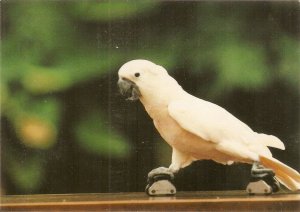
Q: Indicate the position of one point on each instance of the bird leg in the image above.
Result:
(160, 182)
(262, 180)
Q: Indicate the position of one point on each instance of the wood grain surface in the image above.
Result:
(183, 201)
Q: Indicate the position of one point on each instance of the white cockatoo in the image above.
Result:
(197, 129)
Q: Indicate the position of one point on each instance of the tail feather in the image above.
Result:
(287, 181)
(285, 174)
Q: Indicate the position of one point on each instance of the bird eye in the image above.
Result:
(137, 74)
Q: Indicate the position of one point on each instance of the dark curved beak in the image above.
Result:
(129, 89)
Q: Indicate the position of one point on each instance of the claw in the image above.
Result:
(160, 171)
(262, 180)
(160, 182)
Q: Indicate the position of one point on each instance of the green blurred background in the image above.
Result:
(66, 129)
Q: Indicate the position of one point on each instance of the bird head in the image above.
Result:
(139, 77)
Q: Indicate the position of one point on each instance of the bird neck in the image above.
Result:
(156, 101)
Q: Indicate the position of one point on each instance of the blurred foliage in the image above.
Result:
(49, 47)
(108, 11)
(94, 137)
(289, 50)
(27, 173)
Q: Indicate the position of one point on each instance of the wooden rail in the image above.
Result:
(183, 201)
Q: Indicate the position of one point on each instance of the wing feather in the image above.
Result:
(214, 124)
(209, 121)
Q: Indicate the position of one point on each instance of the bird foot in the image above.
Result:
(262, 180)
(160, 182)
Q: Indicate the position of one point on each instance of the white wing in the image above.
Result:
(209, 121)
(214, 124)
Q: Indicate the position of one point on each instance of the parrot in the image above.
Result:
(197, 129)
